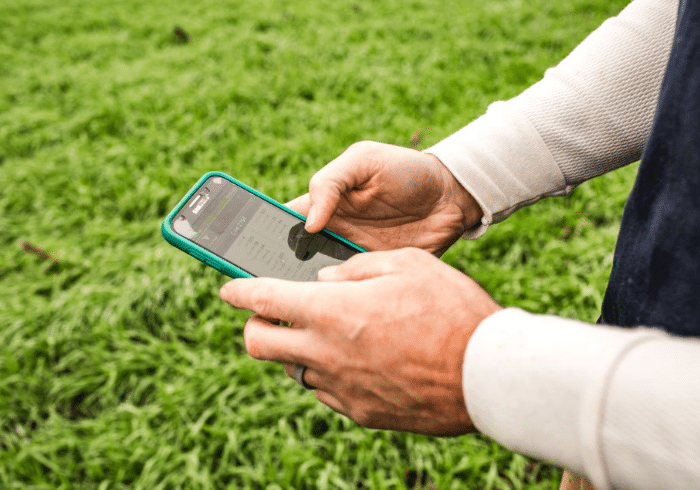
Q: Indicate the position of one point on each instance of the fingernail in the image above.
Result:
(327, 273)
(312, 216)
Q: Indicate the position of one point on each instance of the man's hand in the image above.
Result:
(383, 336)
(386, 197)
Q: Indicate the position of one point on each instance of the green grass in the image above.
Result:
(119, 365)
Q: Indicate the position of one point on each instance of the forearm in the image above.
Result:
(615, 405)
(590, 114)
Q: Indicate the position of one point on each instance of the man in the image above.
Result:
(398, 339)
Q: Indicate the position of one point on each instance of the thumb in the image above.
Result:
(325, 192)
(348, 171)
(301, 204)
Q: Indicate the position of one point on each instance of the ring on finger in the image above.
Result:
(299, 371)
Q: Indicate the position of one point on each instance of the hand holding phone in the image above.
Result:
(388, 197)
(243, 233)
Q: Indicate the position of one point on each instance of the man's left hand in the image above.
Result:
(382, 335)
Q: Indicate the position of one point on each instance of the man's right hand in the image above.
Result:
(385, 197)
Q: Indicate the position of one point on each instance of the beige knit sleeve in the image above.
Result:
(616, 405)
(590, 114)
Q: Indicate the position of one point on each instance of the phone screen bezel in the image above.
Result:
(210, 258)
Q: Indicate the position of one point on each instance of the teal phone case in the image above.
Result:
(209, 258)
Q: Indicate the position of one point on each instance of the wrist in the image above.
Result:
(454, 194)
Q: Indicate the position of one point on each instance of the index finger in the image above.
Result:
(270, 297)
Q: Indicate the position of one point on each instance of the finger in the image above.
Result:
(349, 170)
(269, 297)
(311, 377)
(301, 204)
(269, 342)
(365, 266)
(332, 402)
(274, 321)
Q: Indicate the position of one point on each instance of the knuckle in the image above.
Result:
(363, 147)
(416, 253)
(411, 256)
(316, 181)
(357, 146)
(324, 184)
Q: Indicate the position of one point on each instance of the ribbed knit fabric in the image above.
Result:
(596, 123)
(617, 405)
(589, 115)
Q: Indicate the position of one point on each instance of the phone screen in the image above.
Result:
(255, 235)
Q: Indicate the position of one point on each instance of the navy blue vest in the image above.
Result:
(655, 279)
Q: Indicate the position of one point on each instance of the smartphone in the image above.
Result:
(243, 233)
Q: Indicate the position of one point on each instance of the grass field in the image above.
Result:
(120, 367)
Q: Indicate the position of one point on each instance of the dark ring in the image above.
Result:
(299, 372)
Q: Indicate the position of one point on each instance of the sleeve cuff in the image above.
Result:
(501, 160)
